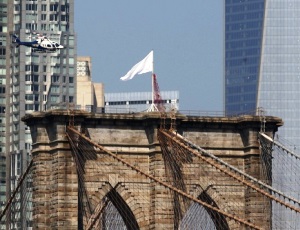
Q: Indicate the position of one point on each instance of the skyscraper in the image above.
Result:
(243, 46)
(31, 81)
(262, 69)
(262, 61)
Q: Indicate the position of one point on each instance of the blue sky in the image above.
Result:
(186, 37)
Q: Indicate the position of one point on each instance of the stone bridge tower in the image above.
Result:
(57, 202)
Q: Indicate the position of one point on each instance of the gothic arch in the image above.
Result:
(114, 196)
(216, 219)
(123, 209)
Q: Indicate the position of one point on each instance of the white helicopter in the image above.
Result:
(42, 44)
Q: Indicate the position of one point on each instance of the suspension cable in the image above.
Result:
(230, 216)
(238, 178)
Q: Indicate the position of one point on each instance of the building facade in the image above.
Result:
(262, 67)
(262, 61)
(243, 43)
(90, 95)
(132, 102)
(3, 48)
(31, 81)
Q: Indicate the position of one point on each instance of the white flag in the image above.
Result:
(144, 66)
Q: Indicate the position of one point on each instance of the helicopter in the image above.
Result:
(42, 44)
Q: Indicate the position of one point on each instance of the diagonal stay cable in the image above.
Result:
(280, 146)
(16, 190)
(175, 137)
(251, 178)
(230, 216)
(95, 216)
(80, 174)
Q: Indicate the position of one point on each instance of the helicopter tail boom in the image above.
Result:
(16, 39)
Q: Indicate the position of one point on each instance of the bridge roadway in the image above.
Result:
(57, 180)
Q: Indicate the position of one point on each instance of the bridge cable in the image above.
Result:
(230, 216)
(16, 190)
(280, 145)
(237, 171)
(251, 178)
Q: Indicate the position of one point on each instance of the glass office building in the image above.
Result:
(243, 43)
(262, 70)
(262, 61)
(30, 81)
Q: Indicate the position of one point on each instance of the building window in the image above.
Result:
(44, 27)
(53, 17)
(54, 98)
(17, 7)
(2, 40)
(54, 89)
(2, 51)
(44, 7)
(54, 78)
(33, 78)
(28, 106)
(44, 17)
(33, 68)
(64, 18)
(32, 97)
(32, 7)
(3, 9)
(3, 29)
(63, 8)
(53, 7)
(36, 87)
(31, 87)
(29, 97)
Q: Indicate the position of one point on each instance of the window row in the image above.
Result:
(3, 9)
(243, 16)
(34, 88)
(54, 78)
(244, 34)
(55, 7)
(31, 97)
(242, 7)
(44, 7)
(55, 17)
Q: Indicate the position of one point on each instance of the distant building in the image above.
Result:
(132, 102)
(262, 73)
(262, 57)
(90, 95)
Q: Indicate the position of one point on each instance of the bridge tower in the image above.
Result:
(70, 188)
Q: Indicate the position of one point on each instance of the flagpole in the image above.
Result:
(153, 80)
(152, 107)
